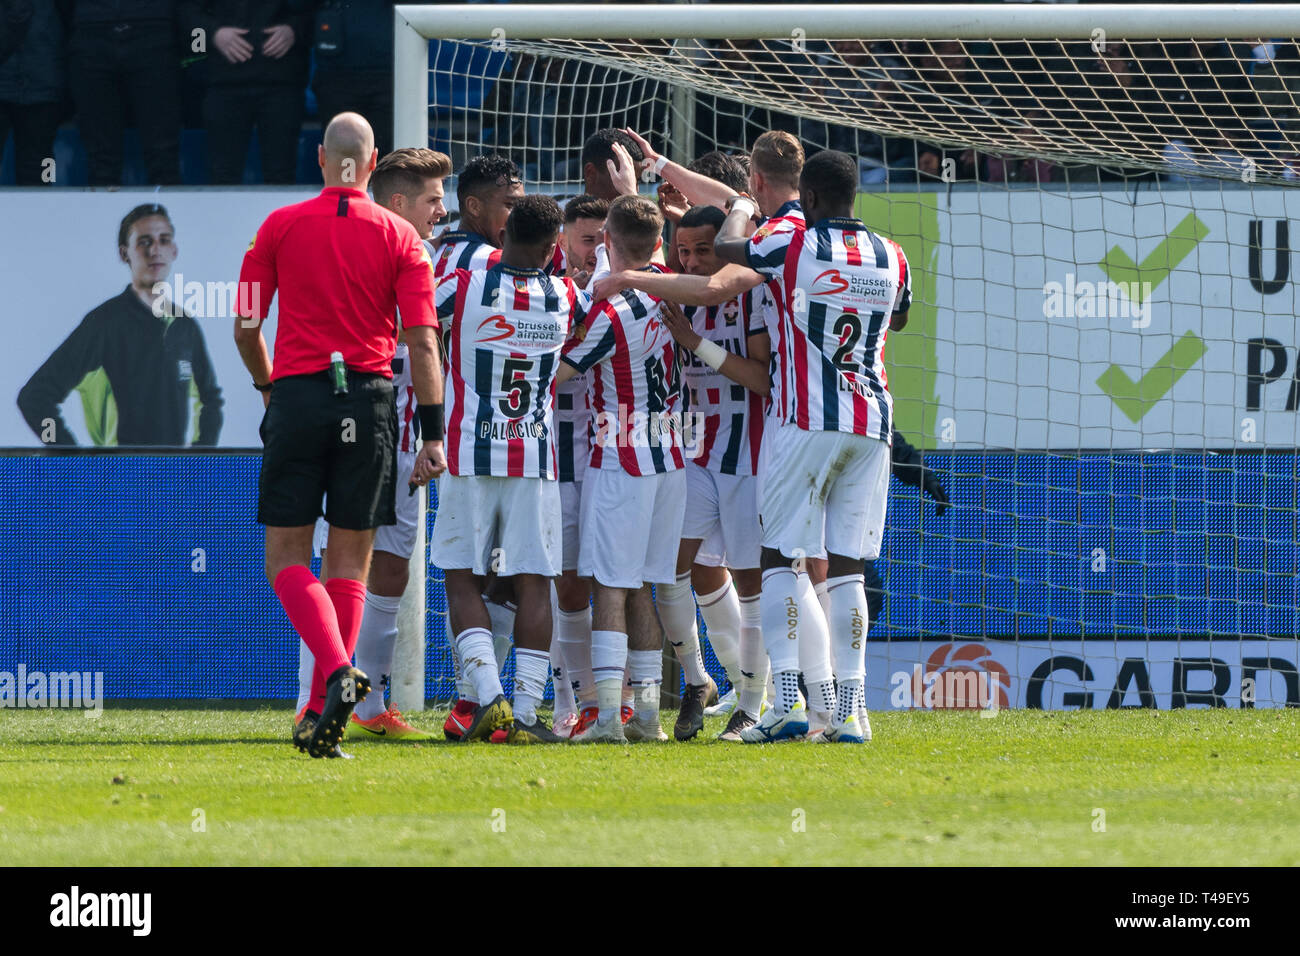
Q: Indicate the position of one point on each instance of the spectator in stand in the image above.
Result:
(124, 58)
(354, 64)
(1030, 136)
(31, 86)
(951, 93)
(257, 75)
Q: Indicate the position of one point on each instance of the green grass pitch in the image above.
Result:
(194, 784)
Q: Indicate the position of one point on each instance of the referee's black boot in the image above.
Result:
(303, 730)
(344, 689)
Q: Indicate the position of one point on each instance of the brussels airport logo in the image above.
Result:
(495, 323)
(36, 690)
(956, 677)
(829, 282)
(205, 300)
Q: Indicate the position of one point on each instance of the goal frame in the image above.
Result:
(416, 24)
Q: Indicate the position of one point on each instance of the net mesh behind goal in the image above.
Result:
(1100, 362)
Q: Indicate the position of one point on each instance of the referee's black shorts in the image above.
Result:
(342, 447)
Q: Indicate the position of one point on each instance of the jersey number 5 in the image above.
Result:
(516, 386)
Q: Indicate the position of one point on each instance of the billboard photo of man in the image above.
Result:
(138, 361)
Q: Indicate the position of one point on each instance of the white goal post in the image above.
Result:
(1209, 128)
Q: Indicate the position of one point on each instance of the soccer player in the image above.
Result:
(486, 190)
(342, 267)
(584, 219)
(634, 492)
(584, 222)
(842, 288)
(610, 160)
(720, 498)
(409, 183)
(845, 287)
(776, 161)
(499, 502)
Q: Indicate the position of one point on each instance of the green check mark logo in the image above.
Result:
(1162, 260)
(1135, 399)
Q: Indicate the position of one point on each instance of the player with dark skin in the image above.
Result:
(532, 591)
(486, 213)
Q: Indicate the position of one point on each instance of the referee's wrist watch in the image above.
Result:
(262, 388)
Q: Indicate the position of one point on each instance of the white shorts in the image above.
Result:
(825, 492)
(725, 505)
(631, 527)
(570, 508)
(712, 554)
(398, 539)
(771, 425)
(507, 525)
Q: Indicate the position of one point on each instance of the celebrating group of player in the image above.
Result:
(612, 424)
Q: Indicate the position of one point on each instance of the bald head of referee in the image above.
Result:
(347, 154)
(342, 268)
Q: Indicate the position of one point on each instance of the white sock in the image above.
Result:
(628, 697)
(779, 615)
(375, 643)
(753, 658)
(306, 666)
(560, 686)
(815, 650)
(779, 612)
(502, 617)
(721, 613)
(464, 686)
(848, 622)
(823, 597)
(480, 664)
(792, 618)
(676, 606)
(787, 691)
(575, 650)
(531, 670)
(646, 675)
(608, 662)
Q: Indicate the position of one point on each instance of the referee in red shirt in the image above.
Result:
(343, 267)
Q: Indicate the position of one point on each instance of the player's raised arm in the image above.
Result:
(727, 283)
(698, 189)
(732, 243)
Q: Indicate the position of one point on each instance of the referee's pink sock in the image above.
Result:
(349, 600)
(312, 613)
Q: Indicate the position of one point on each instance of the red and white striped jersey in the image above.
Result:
(634, 385)
(408, 424)
(726, 419)
(840, 284)
(456, 249)
(572, 421)
(506, 328)
(789, 216)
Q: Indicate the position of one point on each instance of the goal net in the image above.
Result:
(1101, 363)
